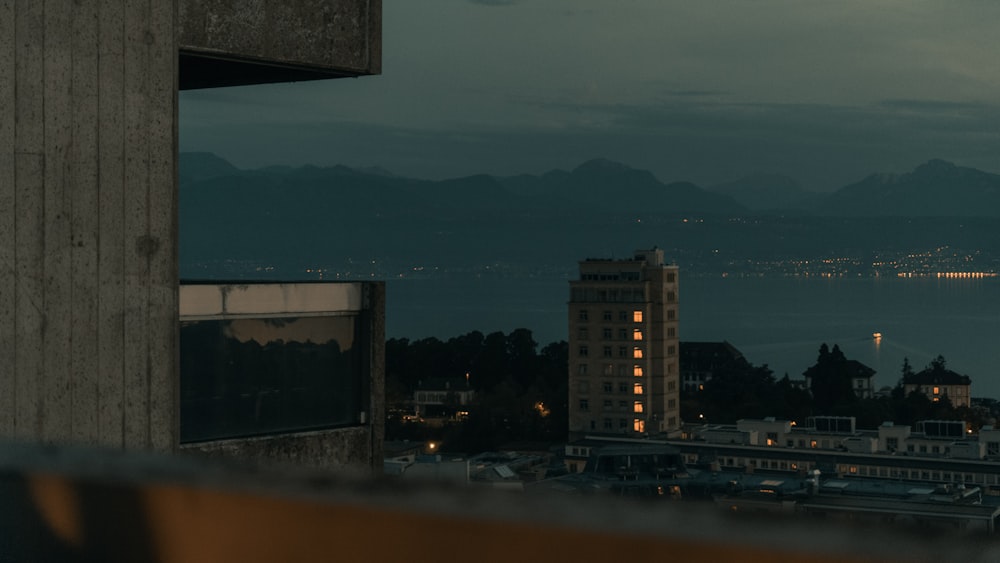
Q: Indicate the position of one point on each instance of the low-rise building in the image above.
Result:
(699, 361)
(939, 383)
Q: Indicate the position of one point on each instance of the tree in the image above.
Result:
(830, 380)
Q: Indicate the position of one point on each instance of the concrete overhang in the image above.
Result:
(242, 42)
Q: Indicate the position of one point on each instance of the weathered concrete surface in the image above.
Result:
(341, 449)
(88, 329)
(232, 42)
(88, 194)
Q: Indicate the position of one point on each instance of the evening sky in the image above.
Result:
(705, 91)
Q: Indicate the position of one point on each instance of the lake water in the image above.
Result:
(779, 321)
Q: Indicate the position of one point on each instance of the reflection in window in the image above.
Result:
(637, 316)
(637, 389)
(254, 376)
(637, 352)
(637, 407)
(637, 371)
(636, 334)
(639, 425)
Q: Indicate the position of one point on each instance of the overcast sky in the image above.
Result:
(702, 90)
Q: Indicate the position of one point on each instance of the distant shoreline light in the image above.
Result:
(949, 275)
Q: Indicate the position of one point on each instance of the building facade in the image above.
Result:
(938, 383)
(89, 336)
(624, 347)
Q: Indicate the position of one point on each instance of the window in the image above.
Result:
(891, 444)
(623, 405)
(609, 369)
(623, 351)
(623, 387)
(607, 424)
(606, 334)
(639, 425)
(637, 388)
(607, 351)
(582, 315)
(607, 315)
(993, 448)
(672, 421)
(637, 406)
(637, 352)
(637, 371)
(607, 404)
(636, 334)
(672, 404)
(671, 277)
(671, 332)
(671, 350)
(582, 370)
(671, 314)
(622, 423)
(593, 425)
(581, 333)
(637, 316)
(671, 297)
(252, 385)
(584, 405)
(622, 316)
(671, 385)
(606, 386)
(622, 334)
(937, 390)
(812, 443)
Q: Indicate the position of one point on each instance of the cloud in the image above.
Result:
(493, 2)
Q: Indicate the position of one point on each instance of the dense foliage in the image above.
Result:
(520, 395)
(742, 390)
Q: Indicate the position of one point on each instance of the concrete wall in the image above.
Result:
(88, 231)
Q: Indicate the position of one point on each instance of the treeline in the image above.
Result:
(742, 390)
(520, 389)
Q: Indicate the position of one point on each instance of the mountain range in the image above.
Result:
(296, 216)
(933, 189)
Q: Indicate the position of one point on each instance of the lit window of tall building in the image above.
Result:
(631, 297)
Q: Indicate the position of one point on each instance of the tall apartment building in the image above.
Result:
(624, 347)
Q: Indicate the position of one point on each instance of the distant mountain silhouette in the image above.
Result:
(295, 218)
(935, 189)
(195, 166)
(768, 192)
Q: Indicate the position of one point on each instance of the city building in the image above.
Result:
(89, 339)
(623, 347)
(699, 361)
(443, 397)
(937, 383)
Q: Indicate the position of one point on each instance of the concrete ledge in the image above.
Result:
(96, 505)
(234, 42)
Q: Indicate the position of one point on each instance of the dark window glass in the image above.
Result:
(257, 376)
